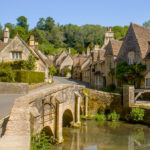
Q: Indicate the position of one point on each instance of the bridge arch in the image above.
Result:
(67, 117)
(47, 130)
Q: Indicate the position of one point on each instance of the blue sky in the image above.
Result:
(80, 12)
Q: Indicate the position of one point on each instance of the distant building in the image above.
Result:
(62, 62)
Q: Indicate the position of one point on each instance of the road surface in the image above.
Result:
(6, 101)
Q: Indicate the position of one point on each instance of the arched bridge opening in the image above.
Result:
(47, 131)
(67, 118)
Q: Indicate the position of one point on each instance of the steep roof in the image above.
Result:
(113, 47)
(3, 45)
(37, 54)
(143, 36)
(101, 53)
(79, 60)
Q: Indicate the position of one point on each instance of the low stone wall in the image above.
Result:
(13, 88)
(103, 100)
(33, 86)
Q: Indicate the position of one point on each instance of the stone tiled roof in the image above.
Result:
(102, 53)
(87, 67)
(147, 55)
(143, 36)
(113, 47)
(3, 45)
(79, 60)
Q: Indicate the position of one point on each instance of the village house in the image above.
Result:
(111, 53)
(16, 49)
(79, 63)
(135, 49)
(97, 68)
(63, 62)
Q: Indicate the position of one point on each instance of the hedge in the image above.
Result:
(29, 76)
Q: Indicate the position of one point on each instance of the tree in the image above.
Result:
(147, 24)
(22, 22)
(49, 23)
(120, 32)
(6, 73)
(131, 74)
(1, 32)
(52, 70)
(41, 24)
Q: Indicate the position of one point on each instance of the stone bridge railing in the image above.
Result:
(18, 129)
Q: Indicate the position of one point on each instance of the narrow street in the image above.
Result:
(7, 100)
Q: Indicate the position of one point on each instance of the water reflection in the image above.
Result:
(106, 136)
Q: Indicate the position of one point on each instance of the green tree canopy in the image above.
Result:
(22, 22)
(147, 24)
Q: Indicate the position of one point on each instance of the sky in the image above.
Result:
(79, 12)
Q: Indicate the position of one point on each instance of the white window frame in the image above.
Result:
(16, 55)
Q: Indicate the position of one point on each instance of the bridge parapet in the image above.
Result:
(31, 113)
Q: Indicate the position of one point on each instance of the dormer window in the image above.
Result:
(16, 55)
(131, 58)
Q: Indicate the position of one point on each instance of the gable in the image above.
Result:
(60, 57)
(67, 61)
(108, 49)
(16, 44)
(130, 44)
(85, 64)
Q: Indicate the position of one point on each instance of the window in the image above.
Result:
(147, 83)
(148, 67)
(16, 55)
(131, 58)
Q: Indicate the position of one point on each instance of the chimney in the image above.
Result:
(36, 46)
(108, 29)
(6, 35)
(88, 51)
(69, 50)
(96, 47)
(31, 41)
(98, 56)
(109, 35)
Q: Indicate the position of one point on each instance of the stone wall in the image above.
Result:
(99, 100)
(13, 88)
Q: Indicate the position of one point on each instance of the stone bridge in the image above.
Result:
(49, 110)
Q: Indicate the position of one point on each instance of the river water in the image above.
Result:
(98, 135)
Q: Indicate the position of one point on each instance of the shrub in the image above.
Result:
(15, 65)
(113, 116)
(137, 114)
(109, 88)
(40, 142)
(30, 63)
(100, 117)
(102, 108)
(6, 74)
(68, 70)
(52, 70)
(29, 76)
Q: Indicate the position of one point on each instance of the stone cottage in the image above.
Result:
(112, 50)
(135, 49)
(16, 49)
(62, 62)
(79, 62)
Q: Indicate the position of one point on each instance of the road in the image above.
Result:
(6, 101)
